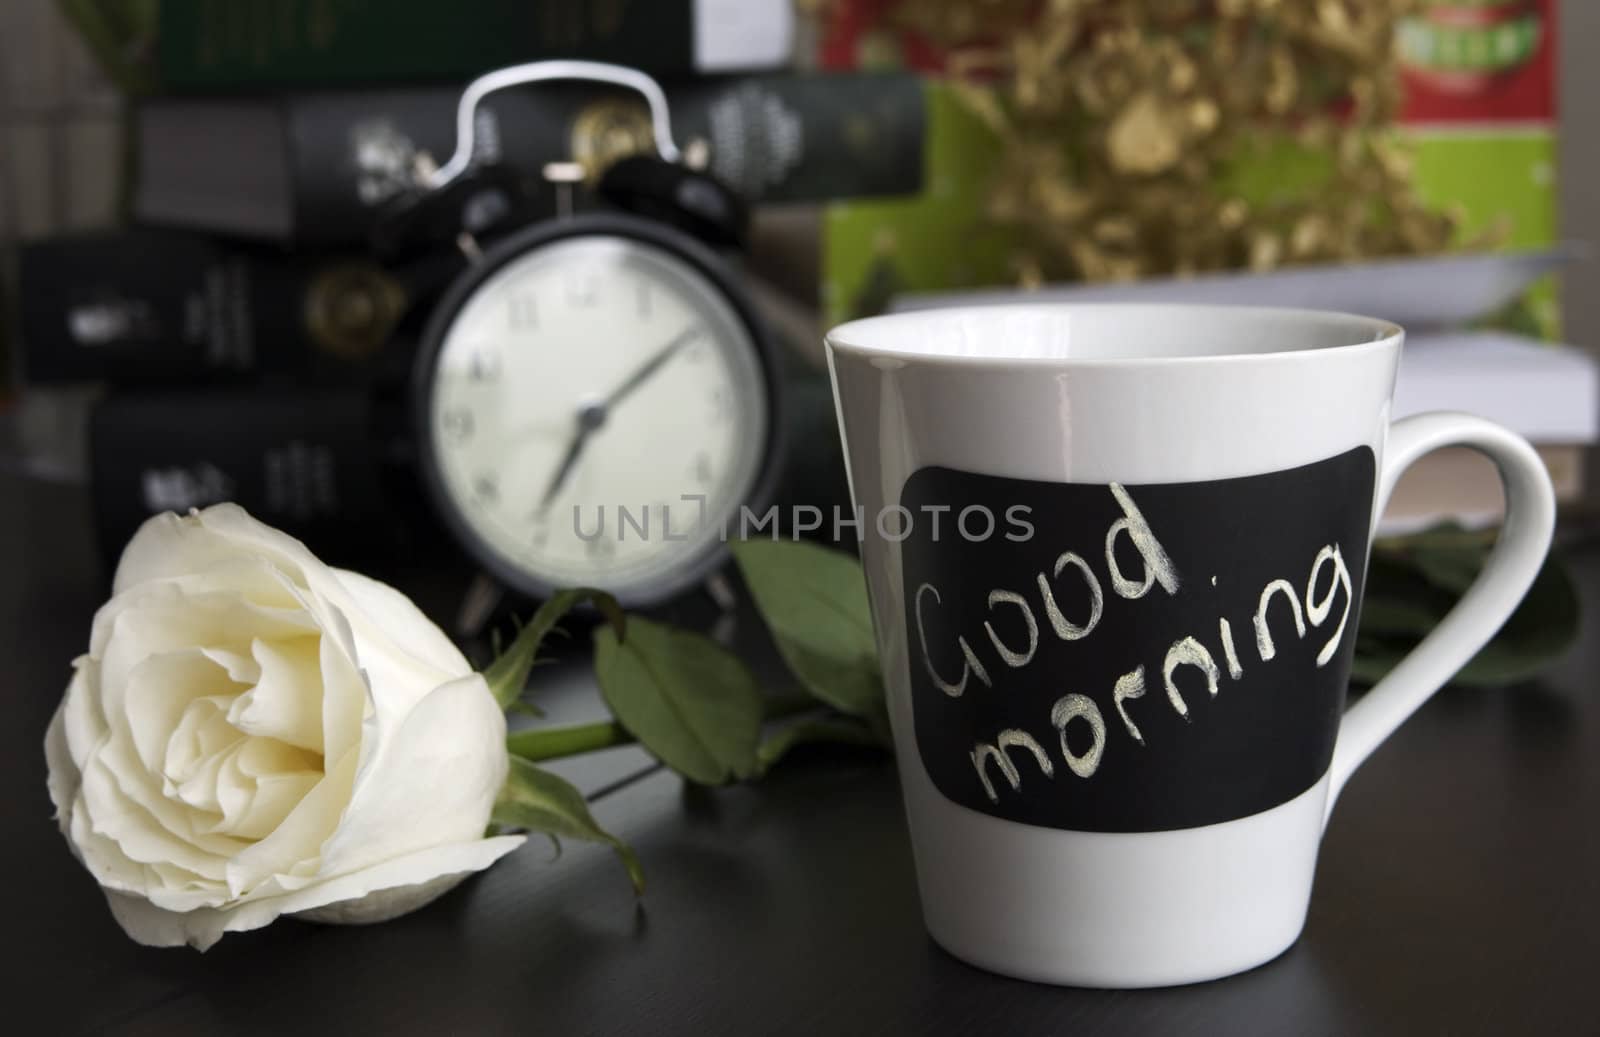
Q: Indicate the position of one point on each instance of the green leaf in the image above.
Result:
(1392, 574)
(814, 601)
(508, 674)
(1448, 534)
(812, 731)
(1374, 658)
(1542, 628)
(1446, 555)
(1398, 616)
(688, 700)
(1449, 568)
(539, 801)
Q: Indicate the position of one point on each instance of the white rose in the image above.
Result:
(253, 734)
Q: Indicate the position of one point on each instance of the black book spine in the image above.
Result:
(312, 463)
(773, 138)
(149, 306)
(249, 44)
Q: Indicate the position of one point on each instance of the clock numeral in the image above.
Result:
(484, 367)
(642, 299)
(600, 549)
(458, 424)
(486, 488)
(583, 287)
(541, 530)
(702, 468)
(722, 408)
(522, 311)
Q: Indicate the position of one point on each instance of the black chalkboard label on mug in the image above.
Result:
(1132, 658)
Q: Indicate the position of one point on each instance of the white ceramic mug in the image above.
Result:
(1116, 672)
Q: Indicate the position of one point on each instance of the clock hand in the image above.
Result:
(650, 367)
(590, 418)
(593, 415)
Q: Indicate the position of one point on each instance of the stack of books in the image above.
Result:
(254, 347)
(1547, 392)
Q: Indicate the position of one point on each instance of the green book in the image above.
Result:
(315, 168)
(227, 45)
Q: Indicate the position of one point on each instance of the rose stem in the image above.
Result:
(552, 743)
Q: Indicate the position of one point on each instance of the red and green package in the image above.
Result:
(1478, 81)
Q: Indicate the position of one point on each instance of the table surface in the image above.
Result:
(1456, 890)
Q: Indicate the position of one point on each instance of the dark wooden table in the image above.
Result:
(1457, 891)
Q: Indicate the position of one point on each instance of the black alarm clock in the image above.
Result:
(595, 399)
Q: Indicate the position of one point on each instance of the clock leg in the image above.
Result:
(469, 247)
(723, 596)
(478, 604)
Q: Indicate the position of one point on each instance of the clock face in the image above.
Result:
(597, 413)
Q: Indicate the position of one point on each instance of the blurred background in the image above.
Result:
(205, 296)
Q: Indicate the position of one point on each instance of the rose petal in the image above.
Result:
(63, 777)
(260, 784)
(240, 667)
(161, 692)
(145, 825)
(385, 612)
(381, 903)
(203, 610)
(301, 834)
(85, 726)
(165, 620)
(169, 545)
(404, 883)
(196, 753)
(156, 927)
(65, 773)
(246, 535)
(286, 702)
(346, 698)
(198, 787)
(103, 858)
(275, 797)
(433, 780)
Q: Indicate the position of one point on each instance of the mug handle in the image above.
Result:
(1507, 574)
